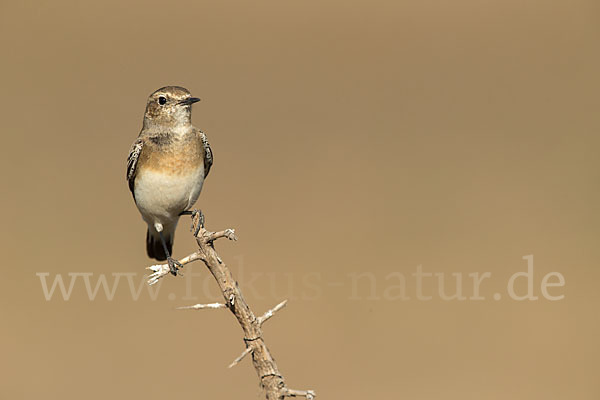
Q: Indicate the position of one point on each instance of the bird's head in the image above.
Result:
(170, 106)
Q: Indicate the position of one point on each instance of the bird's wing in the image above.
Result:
(208, 154)
(132, 159)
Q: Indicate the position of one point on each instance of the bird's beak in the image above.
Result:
(189, 101)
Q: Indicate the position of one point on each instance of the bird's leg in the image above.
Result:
(193, 214)
(174, 265)
(200, 221)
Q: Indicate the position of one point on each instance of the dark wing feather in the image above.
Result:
(208, 154)
(132, 159)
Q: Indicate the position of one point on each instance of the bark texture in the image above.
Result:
(270, 378)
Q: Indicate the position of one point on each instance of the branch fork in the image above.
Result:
(271, 379)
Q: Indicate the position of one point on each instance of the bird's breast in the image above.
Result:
(163, 193)
(178, 158)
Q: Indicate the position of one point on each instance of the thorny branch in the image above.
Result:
(271, 379)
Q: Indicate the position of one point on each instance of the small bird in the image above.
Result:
(166, 168)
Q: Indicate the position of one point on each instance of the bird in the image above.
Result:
(166, 168)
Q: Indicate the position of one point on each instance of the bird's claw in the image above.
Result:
(196, 229)
(174, 266)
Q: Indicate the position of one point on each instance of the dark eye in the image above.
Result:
(162, 100)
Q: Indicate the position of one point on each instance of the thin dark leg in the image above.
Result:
(174, 265)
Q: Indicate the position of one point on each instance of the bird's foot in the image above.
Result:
(174, 266)
(196, 229)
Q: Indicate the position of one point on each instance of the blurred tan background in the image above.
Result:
(349, 137)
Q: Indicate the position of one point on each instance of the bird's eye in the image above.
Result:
(162, 100)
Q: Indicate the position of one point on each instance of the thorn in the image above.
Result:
(262, 319)
(240, 357)
(202, 306)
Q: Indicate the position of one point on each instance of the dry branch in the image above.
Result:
(241, 357)
(271, 379)
(203, 306)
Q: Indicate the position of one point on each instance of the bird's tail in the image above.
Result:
(154, 246)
